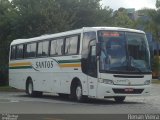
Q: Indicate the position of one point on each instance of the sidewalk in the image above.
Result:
(9, 89)
(155, 81)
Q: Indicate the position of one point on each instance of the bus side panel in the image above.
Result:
(17, 79)
(67, 70)
(67, 76)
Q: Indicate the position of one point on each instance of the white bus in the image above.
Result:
(93, 62)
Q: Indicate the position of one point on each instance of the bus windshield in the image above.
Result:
(124, 52)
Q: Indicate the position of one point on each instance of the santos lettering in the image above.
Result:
(44, 64)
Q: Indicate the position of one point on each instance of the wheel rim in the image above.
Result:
(79, 93)
(30, 88)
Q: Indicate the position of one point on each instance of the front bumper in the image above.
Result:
(106, 90)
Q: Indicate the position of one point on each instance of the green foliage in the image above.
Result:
(37, 17)
(156, 63)
(86, 13)
(121, 19)
(152, 21)
(6, 13)
(152, 25)
(158, 3)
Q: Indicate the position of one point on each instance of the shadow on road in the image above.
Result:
(107, 101)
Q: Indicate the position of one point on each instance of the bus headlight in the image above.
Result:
(106, 81)
(147, 82)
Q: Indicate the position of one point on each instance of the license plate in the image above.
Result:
(128, 89)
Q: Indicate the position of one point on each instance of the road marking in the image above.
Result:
(14, 101)
(8, 101)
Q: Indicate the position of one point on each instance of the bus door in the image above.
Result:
(92, 72)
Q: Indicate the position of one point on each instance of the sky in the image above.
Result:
(137, 4)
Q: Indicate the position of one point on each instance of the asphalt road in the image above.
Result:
(20, 103)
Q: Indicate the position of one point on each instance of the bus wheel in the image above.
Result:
(77, 92)
(119, 99)
(29, 88)
(30, 91)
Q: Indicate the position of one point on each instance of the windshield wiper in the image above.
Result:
(132, 68)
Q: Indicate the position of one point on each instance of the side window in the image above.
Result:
(30, 50)
(13, 52)
(19, 52)
(88, 54)
(92, 66)
(43, 48)
(60, 47)
(88, 37)
(53, 50)
(71, 46)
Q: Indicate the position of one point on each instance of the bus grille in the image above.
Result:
(122, 91)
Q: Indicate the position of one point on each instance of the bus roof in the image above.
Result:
(77, 31)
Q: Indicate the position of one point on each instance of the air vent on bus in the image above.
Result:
(129, 76)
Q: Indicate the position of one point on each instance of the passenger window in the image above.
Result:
(43, 48)
(71, 46)
(30, 50)
(13, 52)
(53, 50)
(19, 52)
(60, 47)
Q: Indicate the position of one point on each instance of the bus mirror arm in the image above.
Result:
(98, 49)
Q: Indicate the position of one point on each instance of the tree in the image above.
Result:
(121, 19)
(151, 24)
(157, 3)
(87, 12)
(37, 17)
(150, 21)
(6, 16)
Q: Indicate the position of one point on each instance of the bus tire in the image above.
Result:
(30, 90)
(119, 99)
(77, 93)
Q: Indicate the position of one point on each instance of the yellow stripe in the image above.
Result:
(70, 65)
(20, 64)
(29, 64)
